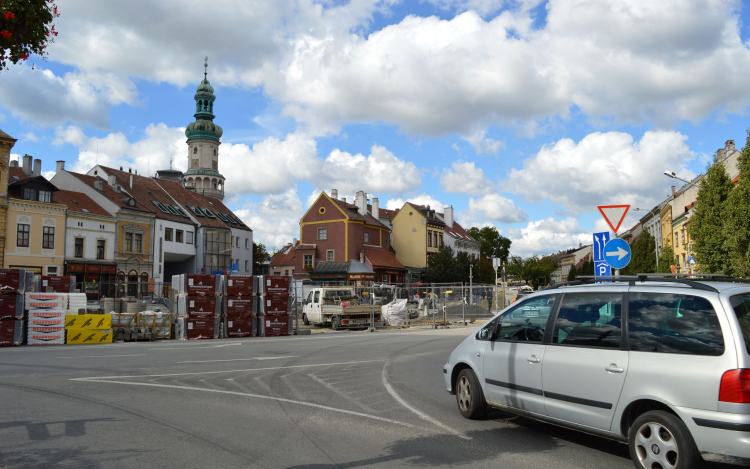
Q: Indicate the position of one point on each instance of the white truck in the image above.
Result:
(338, 307)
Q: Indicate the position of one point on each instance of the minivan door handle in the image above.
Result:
(533, 359)
(613, 368)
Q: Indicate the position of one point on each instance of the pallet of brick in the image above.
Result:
(11, 332)
(273, 285)
(238, 326)
(46, 336)
(200, 329)
(201, 306)
(55, 284)
(178, 284)
(277, 326)
(239, 285)
(274, 305)
(11, 305)
(239, 305)
(203, 284)
(259, 326)
(13, 281)
(55, 301)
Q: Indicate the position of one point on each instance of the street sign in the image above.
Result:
(601, 268)
(614, 215)
(496, 263)
(691, 260)
(617, 253)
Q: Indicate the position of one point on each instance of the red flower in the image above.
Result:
(5, 33)
(23, 55)
(9, 15)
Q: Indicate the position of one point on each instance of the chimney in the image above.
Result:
(60, 165)
(361, 202)
(117, 188)
(674, 189)
(729, 146)
(130, 170)
(362, 256)
(131, 180)
(294, 242)
(99, 185)
(120, 168)
(26, 165)
(14, 164)
(111, 180)
(334, 194)
(375, 208)
(37, 167)
(343, 199)
(448, 215)
(580, 245)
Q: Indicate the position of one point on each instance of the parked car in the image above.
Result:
(662, 365)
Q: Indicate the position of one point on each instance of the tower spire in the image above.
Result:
(205, 69)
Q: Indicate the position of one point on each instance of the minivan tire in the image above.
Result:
(660, 437)
(469, 395)
(305, 321)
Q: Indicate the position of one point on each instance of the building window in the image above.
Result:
(100, 244)
(286, 272)
(441, 239)
(683, 236)
(189, 237)
(676, 240)
(22, 240)
(429, 238)
(178, 236)
(128, 242)
(367, 237)
(45, 196)
(434, 236)
(168, 234)
(322, 233)
(247, 243)
(78, 247)
(29, 193)
(195, 150)
(138, 242)
(48, 237)
(308, 261)
(330, 255)
(247, 263)
(238, 241)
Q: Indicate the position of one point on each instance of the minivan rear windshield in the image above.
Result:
(741, 306)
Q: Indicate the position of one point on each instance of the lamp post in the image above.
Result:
(671, 174)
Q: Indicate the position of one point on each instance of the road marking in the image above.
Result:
(239, 359)
(421, 414)
(105, 356)
(260, 396)
(214, 372)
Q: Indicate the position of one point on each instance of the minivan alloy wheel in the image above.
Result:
(656, 447)
(463, 391)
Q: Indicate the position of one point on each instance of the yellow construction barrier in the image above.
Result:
(88, 321)
(89, 336)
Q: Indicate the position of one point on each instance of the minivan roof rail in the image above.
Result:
(632, 279)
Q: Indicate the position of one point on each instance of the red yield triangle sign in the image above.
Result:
(614, 215)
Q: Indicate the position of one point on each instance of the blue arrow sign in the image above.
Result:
(601, 268)
(617, 253)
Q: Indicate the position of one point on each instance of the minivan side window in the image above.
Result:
(741, 306)
(668, 323)
(317, 297)
(526, 322)
(589, 320)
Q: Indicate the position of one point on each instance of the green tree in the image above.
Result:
(643, 257)
(441, 266)
(491, 244)
(572, 273)
(706, 227)
(666, 260)
(736, 225)
(533, 270)
(259, 256)
(25, 28)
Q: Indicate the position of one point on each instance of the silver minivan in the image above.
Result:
(661, 364)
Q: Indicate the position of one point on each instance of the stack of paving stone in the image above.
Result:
(274, 305)
(238, 306)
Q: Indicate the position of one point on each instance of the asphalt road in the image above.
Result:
(345, 400)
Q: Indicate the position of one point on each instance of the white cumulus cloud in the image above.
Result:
(547, 236)
(464, 177)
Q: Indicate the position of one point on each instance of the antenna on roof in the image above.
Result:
(170, 160)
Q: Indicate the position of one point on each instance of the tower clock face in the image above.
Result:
(195, 163)
(216, 164)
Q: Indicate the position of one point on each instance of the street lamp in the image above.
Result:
(671, 174)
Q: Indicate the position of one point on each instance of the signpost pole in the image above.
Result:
(471, 288)
(505, 283)
(463, 303)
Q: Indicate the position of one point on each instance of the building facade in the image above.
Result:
(417, 234)
(37, 223)
(456, 236)
(6, 144)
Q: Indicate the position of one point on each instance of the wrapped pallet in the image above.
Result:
(46, 336)
(54, 301)
(11, 332)
(203, 285)
(46, 318)
(57, 284)
(76, 302)
(11, 305)
(13, 280)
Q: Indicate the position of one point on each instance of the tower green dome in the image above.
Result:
(204, 127)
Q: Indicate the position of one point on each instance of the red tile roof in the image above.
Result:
(383, 212)
(379, 257)
(354, 214)
(458, 231)
(284, 257)
(16, 172)
(108, 192)
(78, 202)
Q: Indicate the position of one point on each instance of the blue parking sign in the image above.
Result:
(601, 268)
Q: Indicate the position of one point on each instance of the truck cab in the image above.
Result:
(338, 307)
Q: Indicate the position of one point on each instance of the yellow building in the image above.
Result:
(37, 223)
(666, 225)
(6, 143)
(417, 233)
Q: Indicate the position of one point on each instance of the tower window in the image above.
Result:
(214, 151)
(195, 150)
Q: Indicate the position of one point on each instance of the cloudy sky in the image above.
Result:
(523, 114)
